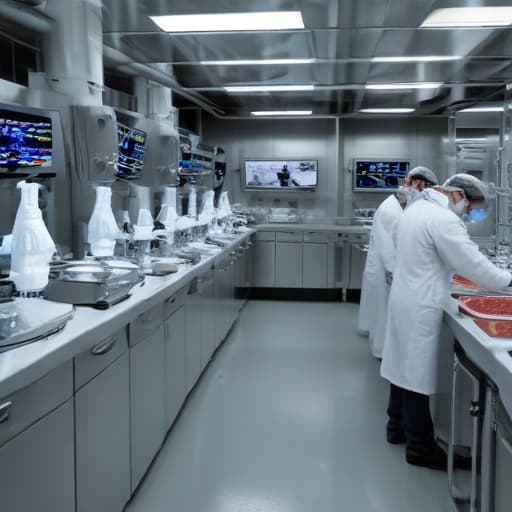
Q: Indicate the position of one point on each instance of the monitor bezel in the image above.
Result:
(57, 159)
(249, 188)
(355, 188)
(140, 174)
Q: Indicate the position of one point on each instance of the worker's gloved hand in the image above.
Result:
(389, 278)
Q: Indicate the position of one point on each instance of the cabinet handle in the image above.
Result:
(104, 347)
(172, 300)
(4, 411)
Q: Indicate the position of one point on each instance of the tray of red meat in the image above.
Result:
(463, 282)
(495, 328)
(488, 307)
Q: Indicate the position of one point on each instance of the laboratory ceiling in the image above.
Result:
(341, 41)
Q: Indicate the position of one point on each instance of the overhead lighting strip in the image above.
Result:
(231, 22)
(412, 85)
(282, 113)
(256, 62)
(483, 109)
(460, 17)
(267, 88)
(419, 58)
(386, 110)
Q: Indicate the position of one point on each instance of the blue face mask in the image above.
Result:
(476, 215)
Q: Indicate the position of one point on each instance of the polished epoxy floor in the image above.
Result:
(289, 417)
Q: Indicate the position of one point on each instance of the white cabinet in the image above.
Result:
(263, 263)
(147, 401)
(208, 338)
(175, 364)
(315, 265)
(102, 411)
(288, 265)
(37, 466)
(357, 262)
(193, 333)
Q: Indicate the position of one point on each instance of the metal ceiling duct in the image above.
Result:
(24, 14)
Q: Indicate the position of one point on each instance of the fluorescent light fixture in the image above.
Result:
(419, 58)
(386, 110)
(469, 17)
(231, 22)
(282, 113)
(415, 85)
(255, 62)
(268, 88)
(483, 109)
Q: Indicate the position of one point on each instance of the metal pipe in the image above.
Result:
(24, 15)
(123, 63)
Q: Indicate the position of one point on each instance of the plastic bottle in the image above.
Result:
(102, 229)
(32, 245)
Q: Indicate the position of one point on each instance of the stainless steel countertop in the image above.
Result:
(488, 353)
(22, 366)
(330, 228)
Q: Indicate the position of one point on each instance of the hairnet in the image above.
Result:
(423, 173)
(471, 186)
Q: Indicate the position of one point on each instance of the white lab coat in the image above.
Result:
(432, 243)
(380, 258)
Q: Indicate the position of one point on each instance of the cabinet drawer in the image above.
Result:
(289, 236)
(146, 324)
(95, 360)
(174, 302)
(265, 236)
(24, 407)
(313, 236)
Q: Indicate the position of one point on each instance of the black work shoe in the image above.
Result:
(462, 462)
(395, 436)
(434, 459)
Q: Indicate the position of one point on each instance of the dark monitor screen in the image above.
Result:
(25, 141)
(132, 144)
(281, 174)
(379, 174)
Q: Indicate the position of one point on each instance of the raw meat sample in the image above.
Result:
(465, 283)
(495, 328)
(493, 308)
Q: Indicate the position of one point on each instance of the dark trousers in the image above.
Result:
(409, 412)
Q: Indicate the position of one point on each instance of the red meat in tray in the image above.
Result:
(495, 328)
(488, 307)
(461, 281)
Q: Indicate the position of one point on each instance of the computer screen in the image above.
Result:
(132, 144)
(281, 174)
(379, 175)
(25, 141)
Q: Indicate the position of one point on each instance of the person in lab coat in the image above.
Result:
(380, 260)
(432, 244)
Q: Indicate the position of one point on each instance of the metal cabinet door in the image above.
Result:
(503, 463)
(357, 262)
(102, 411)
(289, 264)
(175, 364)
(207, 292)
(38, 471)
(147, 402)
(193, 334)
(314, 265)
(263, 264)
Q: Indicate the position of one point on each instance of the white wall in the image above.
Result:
(278, 138)
(335, 143)
(419, 140)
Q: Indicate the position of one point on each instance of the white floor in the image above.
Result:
(289, 417)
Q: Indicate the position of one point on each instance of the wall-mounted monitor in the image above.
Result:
(132, 144)
(281, 174)
(26, 141)
(379, 175)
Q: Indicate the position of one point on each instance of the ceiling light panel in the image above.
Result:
(469, 17)
(482, 109)
(256, 62)
(419, 58)
(414, 85)
(282, 113)
(231, 22)
(386, 110)
(268, 88)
